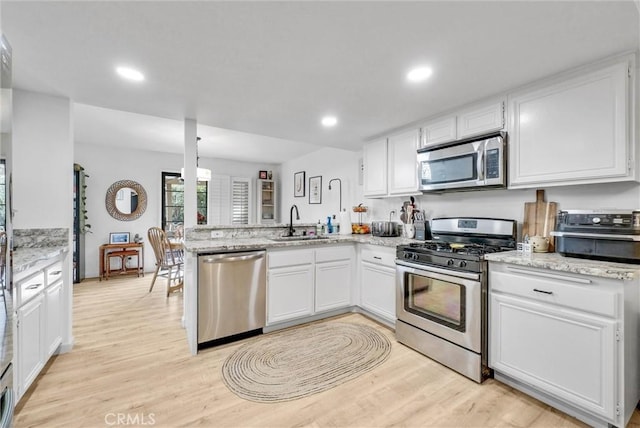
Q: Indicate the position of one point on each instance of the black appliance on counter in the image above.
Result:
(611, 235)
(441, 286)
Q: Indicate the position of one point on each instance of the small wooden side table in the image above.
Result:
(105, 249)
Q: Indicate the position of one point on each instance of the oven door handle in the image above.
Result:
(449, 272)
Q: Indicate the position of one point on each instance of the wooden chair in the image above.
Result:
(169, 262)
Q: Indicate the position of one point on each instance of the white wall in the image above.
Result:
(105, 166)
(42, 174)
(329, 163)
(42, 161)
(509, 204)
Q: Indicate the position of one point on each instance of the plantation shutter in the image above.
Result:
(240, 200)
(220, 199)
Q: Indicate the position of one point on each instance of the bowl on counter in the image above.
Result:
(360, 229)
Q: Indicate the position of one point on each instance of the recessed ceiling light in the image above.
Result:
(419, 74)
(329, 121)
(130, 73)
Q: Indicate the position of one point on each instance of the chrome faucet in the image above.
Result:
(392, 213)
(291, 229)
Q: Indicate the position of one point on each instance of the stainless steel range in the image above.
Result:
(441, 302)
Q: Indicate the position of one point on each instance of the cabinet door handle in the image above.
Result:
(549, 275)
(377, 257)
(542, 291)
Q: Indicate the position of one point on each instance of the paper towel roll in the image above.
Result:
(345, 223)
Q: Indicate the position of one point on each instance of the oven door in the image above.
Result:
(434, 300)
(7, 398)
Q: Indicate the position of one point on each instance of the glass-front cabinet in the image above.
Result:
(266, 201)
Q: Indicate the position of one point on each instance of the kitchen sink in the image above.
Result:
(298, 238)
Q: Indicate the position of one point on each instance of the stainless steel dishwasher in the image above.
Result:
(231, 294)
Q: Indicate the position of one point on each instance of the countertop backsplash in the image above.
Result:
(36, 238)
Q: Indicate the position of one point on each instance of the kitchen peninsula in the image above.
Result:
(315, 258)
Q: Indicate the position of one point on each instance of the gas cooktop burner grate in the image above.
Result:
(446, 247)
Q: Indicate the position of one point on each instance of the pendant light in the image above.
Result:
(202, 174)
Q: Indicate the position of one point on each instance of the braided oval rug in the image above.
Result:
(295, 363)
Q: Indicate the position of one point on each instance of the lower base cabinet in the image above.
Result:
(562, 336)
(30, 355)
(378, 282)
(53, 328)
(304, 282)
(290, 293)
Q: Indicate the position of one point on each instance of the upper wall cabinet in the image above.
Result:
(390, 165)
(574, 130)
(475, 120)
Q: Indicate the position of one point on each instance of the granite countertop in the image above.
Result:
(558, 262)
(233, 244)
(24, 258)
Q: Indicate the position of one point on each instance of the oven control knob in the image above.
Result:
(407, 255)
(450, 262)
(462, 264)
(596, 220)
(415, 256)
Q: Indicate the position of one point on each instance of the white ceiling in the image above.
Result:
(274, 68)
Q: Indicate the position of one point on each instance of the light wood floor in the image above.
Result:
(130, 360)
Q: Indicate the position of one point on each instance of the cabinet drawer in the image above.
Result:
(332, 254)
(31, 286)
(289, 258)
(53, 273)
(380, 256)
(575, 292)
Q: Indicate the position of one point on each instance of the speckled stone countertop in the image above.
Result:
(234, 244)
(24, 258)
(555, 261)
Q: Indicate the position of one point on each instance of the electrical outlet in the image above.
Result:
(216, 234)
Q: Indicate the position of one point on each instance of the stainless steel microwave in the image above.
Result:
(469, 164)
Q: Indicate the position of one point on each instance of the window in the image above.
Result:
(173, 200)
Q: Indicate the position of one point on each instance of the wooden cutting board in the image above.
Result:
(540, 218)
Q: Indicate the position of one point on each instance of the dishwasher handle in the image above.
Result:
(236, 257)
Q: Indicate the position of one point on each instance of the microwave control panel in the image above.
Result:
(492, 159)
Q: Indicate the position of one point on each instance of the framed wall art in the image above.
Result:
(315, 190)
(119, 238)
(298, 184)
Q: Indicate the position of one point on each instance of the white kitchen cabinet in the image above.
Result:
(375, 168)
(30, 329)
(53, 302)
(390, 165)
(378, 282)
(559, 336)
(40, 315)
(308, 281)
(573, 130)
(334, 276)
(439, 131)
(402, 165)
(480, 120)
(476, 119)
(290, 284)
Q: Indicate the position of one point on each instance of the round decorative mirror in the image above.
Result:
(126, 200)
